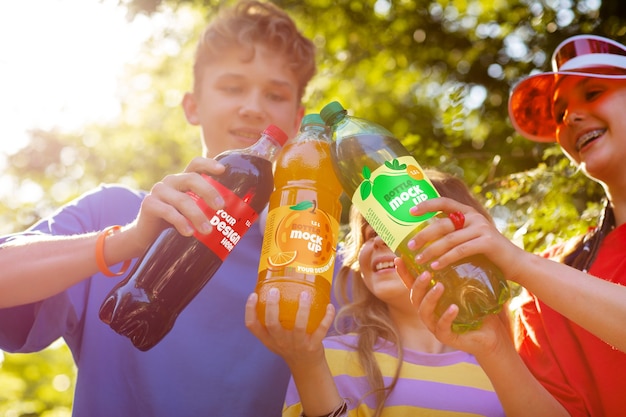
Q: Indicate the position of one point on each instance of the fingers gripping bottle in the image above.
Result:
(145, 305)
(384, 182)
(301, 232)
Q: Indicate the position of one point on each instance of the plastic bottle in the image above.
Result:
(384, 181)
(301, 232)
(145, 305)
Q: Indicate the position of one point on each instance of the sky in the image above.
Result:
(59, 63)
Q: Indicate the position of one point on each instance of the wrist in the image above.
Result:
(339, 411)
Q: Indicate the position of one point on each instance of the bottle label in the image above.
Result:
(300, 239)
(386, 195)
(229, 224)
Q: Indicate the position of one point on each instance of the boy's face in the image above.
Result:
(237, 100)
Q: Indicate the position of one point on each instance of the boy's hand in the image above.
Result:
(169, 204)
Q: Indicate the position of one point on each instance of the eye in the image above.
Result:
(231, 89)
(592, 94)
(369, 233)
(273, 96)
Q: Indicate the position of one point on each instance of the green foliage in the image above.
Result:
(38, 384)
(436, 73)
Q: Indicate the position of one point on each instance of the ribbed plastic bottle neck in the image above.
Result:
(269, 144)
(266, 147)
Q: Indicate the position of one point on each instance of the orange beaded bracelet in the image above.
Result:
(102, 265)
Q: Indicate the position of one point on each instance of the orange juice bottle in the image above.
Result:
(301, 232)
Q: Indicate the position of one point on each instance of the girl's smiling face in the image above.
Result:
(591, 124)
(378, 270)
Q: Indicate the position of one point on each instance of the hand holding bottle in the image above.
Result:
(169, 203)
(296, 346)
(175, 267)
(439, 244)
(385, 181)
(481, 342)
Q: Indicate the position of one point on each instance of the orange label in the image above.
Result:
(301, 239)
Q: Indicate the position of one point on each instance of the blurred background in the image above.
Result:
(90, 93)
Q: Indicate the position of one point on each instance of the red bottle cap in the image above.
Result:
(277, 133)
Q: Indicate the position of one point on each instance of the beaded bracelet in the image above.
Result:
(337, 412)
(102, 265)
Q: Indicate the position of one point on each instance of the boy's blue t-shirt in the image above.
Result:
(209, 364)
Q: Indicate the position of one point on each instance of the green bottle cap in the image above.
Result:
(312, 119)
(330, 111)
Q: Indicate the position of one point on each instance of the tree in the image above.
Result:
(437, 73)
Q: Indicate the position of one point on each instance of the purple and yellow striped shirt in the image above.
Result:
(435, 385)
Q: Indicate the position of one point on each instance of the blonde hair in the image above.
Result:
(252, 23)
(366, 315)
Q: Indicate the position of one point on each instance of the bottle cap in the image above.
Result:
(277, 133)
(312, 119)
(330, 110)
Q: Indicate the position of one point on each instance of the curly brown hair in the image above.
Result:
(252, 23)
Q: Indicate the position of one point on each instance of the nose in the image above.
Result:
(378, 241)
(573, 116)
(252, 106)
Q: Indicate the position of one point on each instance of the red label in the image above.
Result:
(229, 224)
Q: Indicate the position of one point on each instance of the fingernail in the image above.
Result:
(272, 294)
(419, 258)
(413, 210)
(411, 244)
(219, 202)
(205, 228)
(434, 265)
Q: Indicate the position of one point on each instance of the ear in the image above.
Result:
(190, 107)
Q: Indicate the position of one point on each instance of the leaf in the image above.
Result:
(366, 173)
(303, 205)
(365, 189)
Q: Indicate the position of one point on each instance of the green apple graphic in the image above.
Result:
(396, 191)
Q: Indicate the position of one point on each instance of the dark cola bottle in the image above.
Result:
(145, 305)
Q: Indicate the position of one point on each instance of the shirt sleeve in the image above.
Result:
(32, 327)
(538, 353)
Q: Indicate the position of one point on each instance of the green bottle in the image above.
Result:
(384, 181)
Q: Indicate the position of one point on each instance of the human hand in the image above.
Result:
(441, 243)
(295, 346)
(169, 202)
(482, 342)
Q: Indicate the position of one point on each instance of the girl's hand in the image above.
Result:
(295, 346)
(169, 204)
(482, 343)
(440, 244)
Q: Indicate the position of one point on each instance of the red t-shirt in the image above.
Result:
(585, 374)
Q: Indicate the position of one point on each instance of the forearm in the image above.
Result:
(34, 268)
(595, 304)
(316, 388)
(518, 390)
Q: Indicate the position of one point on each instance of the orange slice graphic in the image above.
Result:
(282, 258)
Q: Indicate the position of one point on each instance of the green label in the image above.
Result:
(387, 194)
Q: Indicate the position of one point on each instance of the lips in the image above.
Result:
(251, 134)
(588, 137)
(381, 265)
